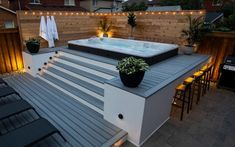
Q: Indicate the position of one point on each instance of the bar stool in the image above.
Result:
(189, 82)
(210, 73)
(205, 77)
(180, 95)
(197, 86)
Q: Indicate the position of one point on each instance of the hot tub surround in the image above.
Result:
(116, 48)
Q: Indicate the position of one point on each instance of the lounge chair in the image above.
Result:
(29, 134)
(3, 82)
(5, 91)
(14, 108)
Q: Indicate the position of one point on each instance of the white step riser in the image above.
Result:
(79, 76)
(73, 96)
(90, 61)
(76, 86)
(100, 74)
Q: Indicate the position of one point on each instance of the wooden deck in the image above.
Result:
(80, 125)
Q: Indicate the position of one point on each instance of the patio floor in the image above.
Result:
(79, 124)
(209, 124)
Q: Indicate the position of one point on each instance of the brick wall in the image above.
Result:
(164, 27)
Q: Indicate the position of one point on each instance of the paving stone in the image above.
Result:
(211, 123)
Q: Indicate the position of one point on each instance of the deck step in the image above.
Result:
(80, 125)
(88, 56)
(99, 62)
(88, 65)
(83, 67)
(80, 95)
(94, 77)
(78, 83)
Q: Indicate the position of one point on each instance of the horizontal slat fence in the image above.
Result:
(10, 51)
(218, 45)
(152, 26)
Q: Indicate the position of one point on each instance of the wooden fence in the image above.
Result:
(151, 26)
(10, 51)
(218, 45)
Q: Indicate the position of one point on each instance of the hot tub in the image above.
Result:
(116, 48)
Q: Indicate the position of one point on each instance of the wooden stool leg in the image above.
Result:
(192, 96)
(182, 110)
(189, 97)
(199, 91)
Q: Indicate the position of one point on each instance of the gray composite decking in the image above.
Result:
(79, 124)
(104, 70)
(163, 73)
(159, 75)
(77, 81)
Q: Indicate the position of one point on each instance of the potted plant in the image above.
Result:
(33, 45)
(105, 27)
(132, 22)
(192, 34)
(132, 70)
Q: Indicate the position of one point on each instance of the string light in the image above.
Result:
(115, 14)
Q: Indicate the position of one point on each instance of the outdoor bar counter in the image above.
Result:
(146, 108)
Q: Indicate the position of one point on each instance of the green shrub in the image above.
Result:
(131, 65)
(230, 22)
(134, 7)
(105, 26)
(194, 33)
(33, 40)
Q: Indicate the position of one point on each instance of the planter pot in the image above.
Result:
(105, 35)
(33, 47)
(132, 80)
(188, 50)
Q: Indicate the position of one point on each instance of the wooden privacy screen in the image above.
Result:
(218, 45)
(152, 26)
(10, 51)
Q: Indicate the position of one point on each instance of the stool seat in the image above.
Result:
(189, 80)
(181, 87)
(204, 68)
(198, 74)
